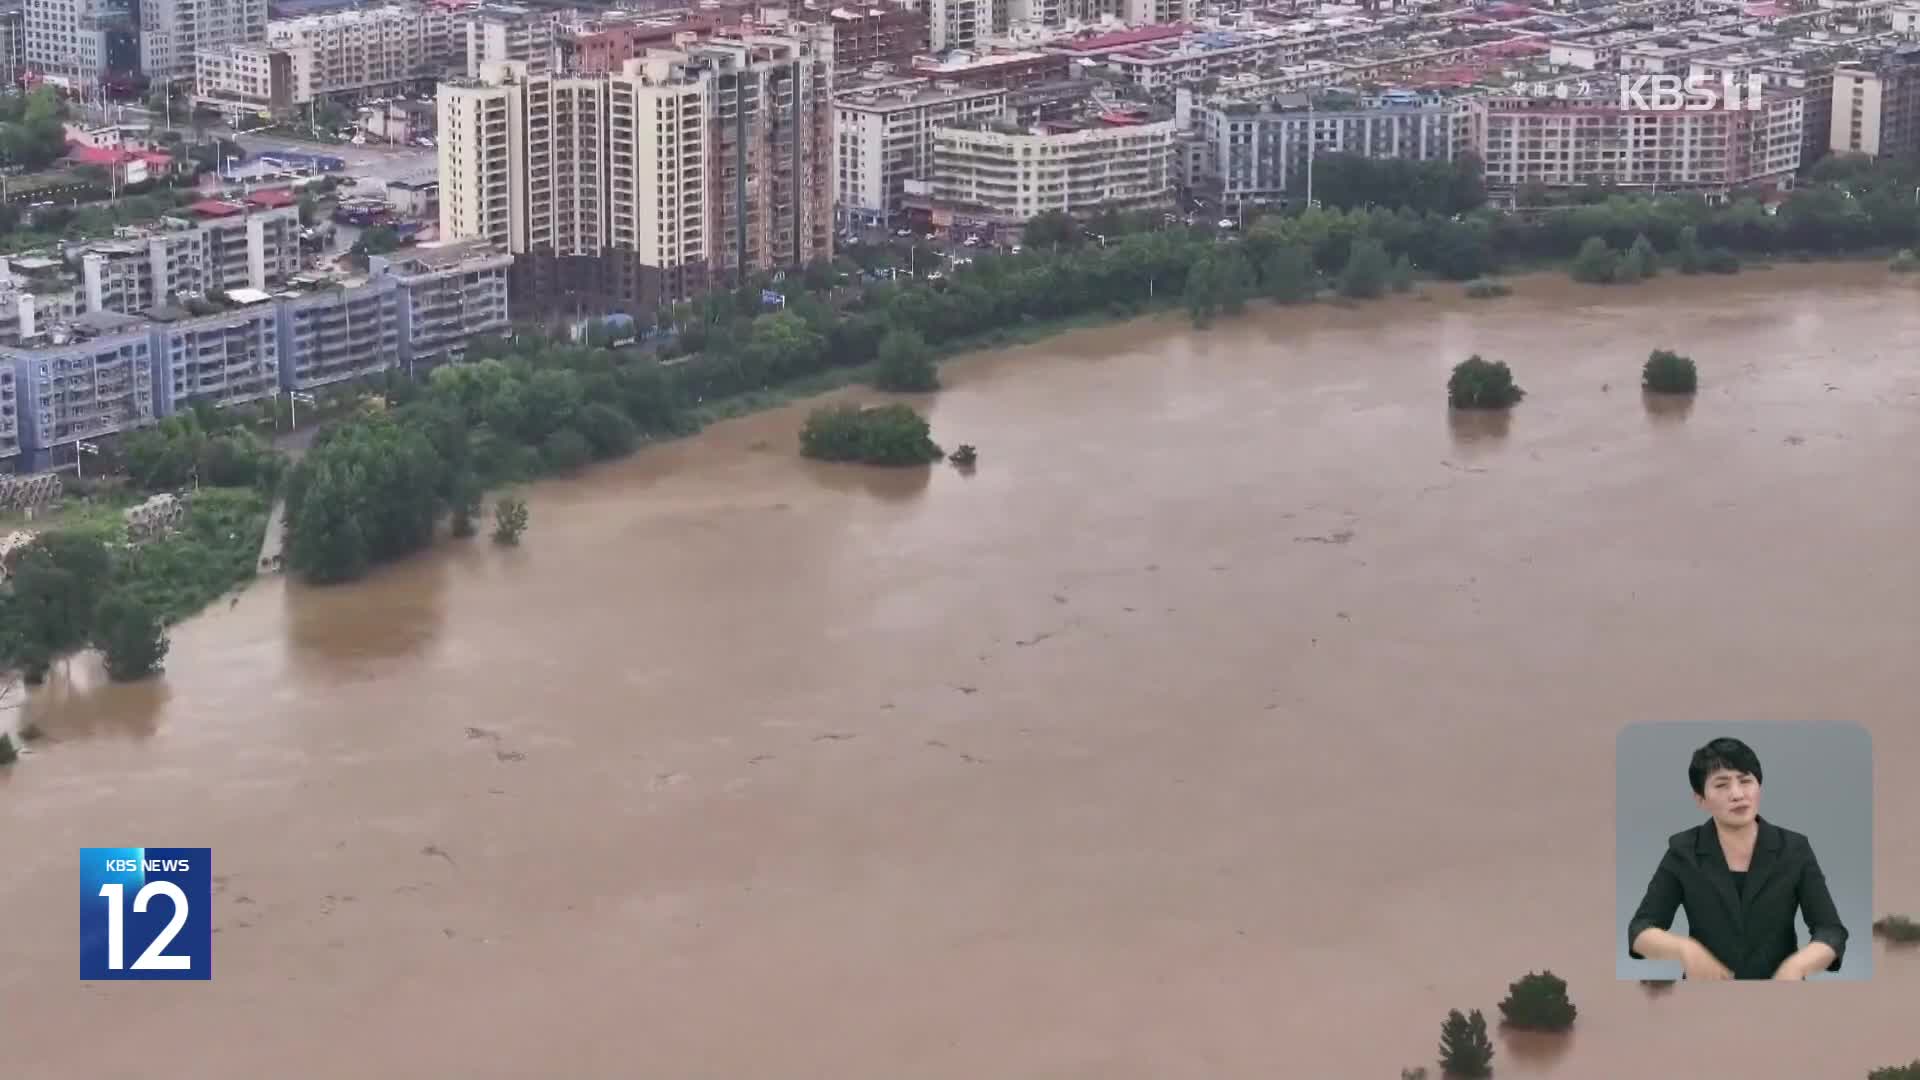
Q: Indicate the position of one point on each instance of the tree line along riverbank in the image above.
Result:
(379, 483)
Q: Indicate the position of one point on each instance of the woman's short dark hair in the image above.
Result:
(1722, 754)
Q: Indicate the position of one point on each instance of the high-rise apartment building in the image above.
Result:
(172, 32)
(1876, 105)
(66, 40)
(639, 186)
(958, 24)
(509, 33)
(13, 41)
(1010, 174)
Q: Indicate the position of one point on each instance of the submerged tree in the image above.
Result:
(1538, 1001)
(509, 520)
(1465, 1049)
(131, 636)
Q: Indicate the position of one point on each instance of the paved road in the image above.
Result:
(375, 164)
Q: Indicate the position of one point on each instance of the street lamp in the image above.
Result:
(80, 450)
(297, 398)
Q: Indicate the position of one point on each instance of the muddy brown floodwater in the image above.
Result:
(1237, 717)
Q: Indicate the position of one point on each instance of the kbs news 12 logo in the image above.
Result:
(146, 913)
(1695, 93)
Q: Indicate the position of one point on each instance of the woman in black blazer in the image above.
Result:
(1741, 879)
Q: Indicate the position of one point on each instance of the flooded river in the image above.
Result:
(1238, 717)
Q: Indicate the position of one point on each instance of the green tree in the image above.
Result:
(1538, 1002)
(1235, 280)
(608, 431)
(1367, 270)
(57, 584)
(1477, 384)
(509, 520)
(1203, 290)
(1289, 275)
(1669, 373)
(131, 636)
(1465, 1049)
(1686, 252)
(1050, 229)
(8, 755)
(327, 544)
(906, 363)
(565, 451)
(466, 504)
(877, 435)
(1644, 260)
(1596, 264)
(1897, 1072)
(1401, 277)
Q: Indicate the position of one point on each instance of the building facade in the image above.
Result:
(1578, 141)
(882, 33)
(713, 159)
(1011, 174)
(229, 358)
(508, 33)
(91, 378)
(179, 258)
(1876, 106)
(884, 136)
(1258, 149)
(173, 32)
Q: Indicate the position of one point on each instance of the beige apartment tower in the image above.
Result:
(644, 184)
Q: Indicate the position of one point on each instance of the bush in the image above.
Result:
(608, 431)
(1898, 929)
(565, 451)
(1487, 288)
(1538, 1002)
(1597, 264)
(1897, 1072)
(1368, 270)
(1641, 262)
(1720, 261)
(8, 755)
(509, 520)
(131, 636)
(1905, 263)
(905, 364)
(1465, 1049)
(1289, 276)
(1669, 373)
(879, 435)
(1477, 384)
(1401, 278)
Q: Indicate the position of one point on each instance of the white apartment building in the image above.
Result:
(1576, 141)
(179, 258)
(65, 39)
(509, 33)
(1013, 175)
(369, 48)
(1876, 105)
(958, 24)
(13, 48)
(1257, 149)
(173, 32)
(884, 135)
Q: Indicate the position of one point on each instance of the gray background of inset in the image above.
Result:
(1818, 780)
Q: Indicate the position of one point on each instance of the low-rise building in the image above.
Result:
(227, 358)
(444, 296)
(222, 246)
(1114, 160)
(332, 331)
(1581, 140)
(82, 380)
(883, 136)
(1258, 148)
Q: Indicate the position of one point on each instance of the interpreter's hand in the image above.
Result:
(1701, 964)
(1792, 969)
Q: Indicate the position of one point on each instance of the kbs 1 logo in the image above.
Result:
(1695, 93)
(146, 913)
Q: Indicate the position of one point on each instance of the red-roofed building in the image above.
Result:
(1100, 44)
(124, 166)
(217, 208)
(272, 198)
